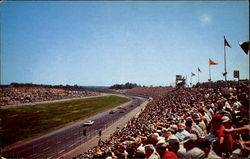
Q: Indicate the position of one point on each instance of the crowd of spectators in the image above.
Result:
(184, 123)
(149, 91)
(10, 94)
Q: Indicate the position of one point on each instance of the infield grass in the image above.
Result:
(22, 123)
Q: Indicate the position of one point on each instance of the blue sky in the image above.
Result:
(108, 42)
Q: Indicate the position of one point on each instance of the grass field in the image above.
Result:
(25, 122)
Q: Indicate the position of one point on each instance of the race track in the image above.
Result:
(65, 139)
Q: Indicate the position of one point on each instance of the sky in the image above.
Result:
(101, 43)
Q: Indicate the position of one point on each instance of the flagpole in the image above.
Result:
(210, 73)
(191, 80)
(198, 74)
(225, 60)
(186, 79)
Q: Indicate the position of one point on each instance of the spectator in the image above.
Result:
(163, 153)
(174, 146)
(191, 128)
(150, 152)
(167, 132)
(202, 129)
(182, 133)
(192, 149)
(206, 146)
(224, 142)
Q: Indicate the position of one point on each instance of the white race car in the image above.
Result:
(88, 123)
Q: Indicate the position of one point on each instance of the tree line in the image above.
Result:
(31, 85)
(124, 86)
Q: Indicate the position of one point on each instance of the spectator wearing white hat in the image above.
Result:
(163, 152)
(226, 121)
(173, 144)
(228, 139)
(150, 152)
(192, 149)
(167, 132)
(140, 152)
(174, 127)
(182, 133)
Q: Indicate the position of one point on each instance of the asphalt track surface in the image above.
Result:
(66, 139)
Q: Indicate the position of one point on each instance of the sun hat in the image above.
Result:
(190, 137)
(225, 119)
(161, 143)
(173, 139)
(149, 147)
(174, 127)
(141, 148)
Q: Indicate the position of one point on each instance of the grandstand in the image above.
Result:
(184, 123)
(16, 94)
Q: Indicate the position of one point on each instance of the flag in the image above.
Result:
(192, 74)
(212, 62)
(244, 46)
(199, 70)
(226, 43)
